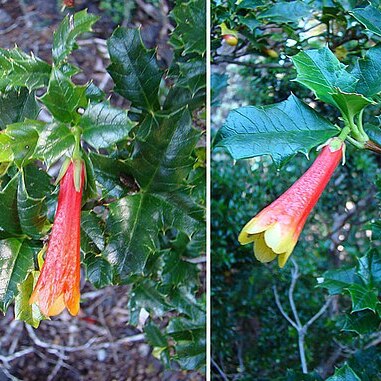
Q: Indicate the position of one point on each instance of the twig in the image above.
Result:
(253, 64)
(56, 369)
(220, 371)
(280, 307)
(88, 345)
(294, 278)
(16, 355)
(300, 328)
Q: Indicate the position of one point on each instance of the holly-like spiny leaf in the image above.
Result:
(16, 260)
(33, 187)
(29, 313)
(362, 322)
(327, 77)
(368, 72)
(20, 69)
(55, 141)
(64, 99)
(190, 31)
(370, 17)
(134, 69)
(134, 224)
(23, 140)
(162, 159)
(286, 12)
(363, 298)
(71, 27)
(16, 106)
(280, 130)
(345, 373)
(104, 125)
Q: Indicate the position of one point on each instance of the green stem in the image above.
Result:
(77, 154)
(77, 159)
(344, 133)
(355, 142)
(360, 126)
(357, 130)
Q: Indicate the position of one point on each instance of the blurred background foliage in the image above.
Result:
(250, 338)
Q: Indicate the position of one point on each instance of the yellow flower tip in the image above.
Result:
(282, 258)
(244, 238)
(56, 308)
(71, 302)
(280, 238)
(262, 252)
(251, 229)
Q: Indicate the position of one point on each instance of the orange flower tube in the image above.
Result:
(58, 284)
(276, 229)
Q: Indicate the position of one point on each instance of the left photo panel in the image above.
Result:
(103, 190)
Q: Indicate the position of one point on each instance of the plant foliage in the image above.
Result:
(143, 207)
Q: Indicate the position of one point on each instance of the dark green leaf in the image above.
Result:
(29, 313)
(190, 28)
(192, 75)
(280, 130)
(345, 373)
(91, 229)
(336, 281)
(368, 72)
(98, 270)
(91, 190)
(55, 142)
(16, 260)
(370, 17)
(374, 133)
(191, 355)
(286, 12)
(16, 106)
(9, 219)
(111, 174)
(362, 322)
(162, 161)
(249, 4)
(250, 21)
(64, 40)
(134, 223)
(146, 295)
(363, 298)
(134, 69)
(103, 125)
(20, 69)
(94, 93)
(33, 186)
(63, 98)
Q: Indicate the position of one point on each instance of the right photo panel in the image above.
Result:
(295, 199)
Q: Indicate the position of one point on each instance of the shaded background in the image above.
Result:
(97, 344)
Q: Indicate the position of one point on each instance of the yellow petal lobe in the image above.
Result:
(261, 251)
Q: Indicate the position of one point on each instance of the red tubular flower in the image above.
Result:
(58, 284)
(276, 229)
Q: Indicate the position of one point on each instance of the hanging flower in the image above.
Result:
(58, 284)
(276, 229)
